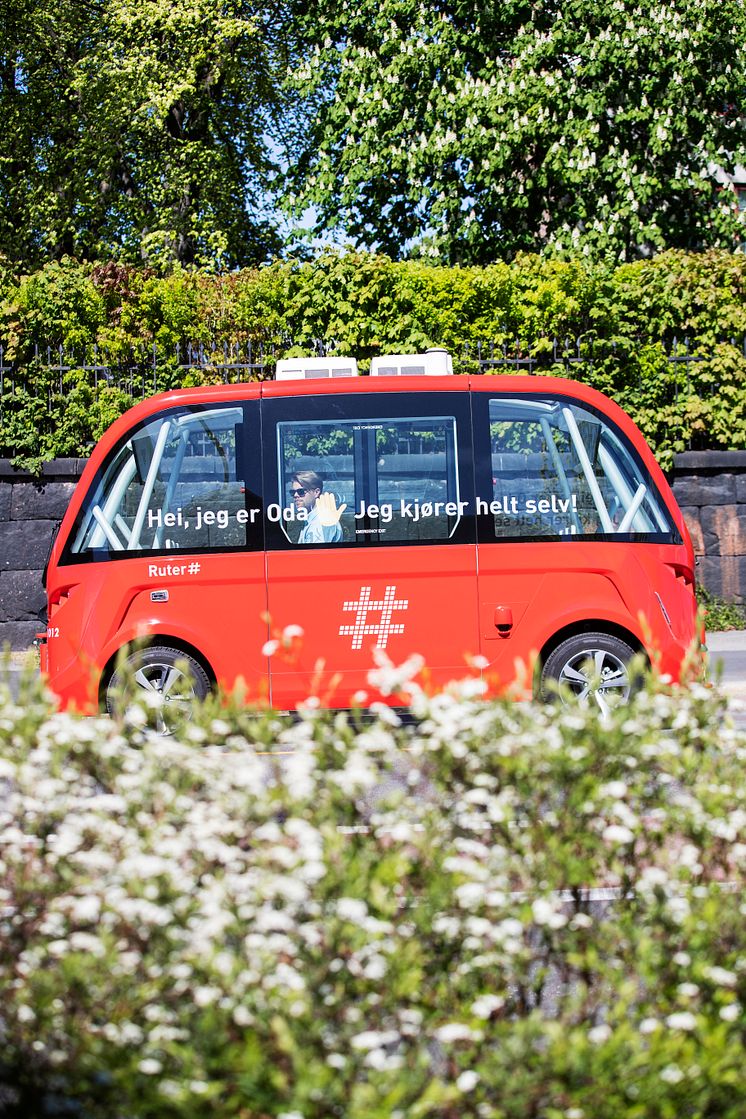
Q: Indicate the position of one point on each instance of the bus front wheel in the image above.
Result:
(589, 668)
(166, 681)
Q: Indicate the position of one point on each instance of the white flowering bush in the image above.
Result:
(492, 911)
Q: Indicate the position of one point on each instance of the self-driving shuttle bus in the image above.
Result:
(496, 520)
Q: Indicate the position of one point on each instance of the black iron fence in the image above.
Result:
(682, 393)
(139, 372)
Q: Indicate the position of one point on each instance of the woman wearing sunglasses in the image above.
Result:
(322, 525)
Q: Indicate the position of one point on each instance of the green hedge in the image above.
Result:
(265, 919)
(629, 318)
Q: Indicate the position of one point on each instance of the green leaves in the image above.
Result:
(138, 130)
(456, 132)
(622, 330)
(471, 135)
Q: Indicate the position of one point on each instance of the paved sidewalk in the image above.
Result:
(729, 640)
(727, 651)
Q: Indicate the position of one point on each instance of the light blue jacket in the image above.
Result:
(314, 532)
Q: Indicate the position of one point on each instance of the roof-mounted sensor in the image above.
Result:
(305, 368)
(434, 363)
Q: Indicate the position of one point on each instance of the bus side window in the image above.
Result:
(395, 480)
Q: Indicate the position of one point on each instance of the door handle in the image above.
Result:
(503, 620)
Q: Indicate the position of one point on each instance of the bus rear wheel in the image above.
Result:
(167, 681)
(589, 668)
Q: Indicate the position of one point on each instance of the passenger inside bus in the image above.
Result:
(322, 525)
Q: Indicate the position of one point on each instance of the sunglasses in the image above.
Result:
(299, 492)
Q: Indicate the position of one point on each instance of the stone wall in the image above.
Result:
(710, 486)
(30, 510)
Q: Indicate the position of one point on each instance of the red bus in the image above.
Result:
(515, 519)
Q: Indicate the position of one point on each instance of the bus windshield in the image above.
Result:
(558, 468)
(150, 492)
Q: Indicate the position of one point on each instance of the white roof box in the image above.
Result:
(302, 368)
(434, 363)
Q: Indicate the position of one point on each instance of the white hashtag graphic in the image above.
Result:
(362, 606)
(194, 568)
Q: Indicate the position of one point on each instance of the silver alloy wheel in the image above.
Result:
(175, 690)
(168, 682)
(589, 668)
(596, 675)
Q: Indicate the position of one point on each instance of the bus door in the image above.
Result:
(567, 512)
(370, 539)
(171, 535)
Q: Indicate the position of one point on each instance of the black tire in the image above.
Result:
(589, 668)
(176, 677)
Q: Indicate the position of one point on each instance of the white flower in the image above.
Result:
(169, 1088)
(545, 913)
(150, 1066)
(87, 942)
(470, 894)
(454, 1031)
(204, 996)
(732, 1012)
(86, 910)
(682, 1020)
(486, 1005)
(614, 789)
(678, 908)
(511, 928)
(672, 1074)
(720, 976)
(352, 909)
(617, 833)
(653, 876)
(382, 1061)
(649, 1025)
(467, 1081)
(599, 1034)
(375, 968)
(688, 990)
(135, 716)
(374, 1039)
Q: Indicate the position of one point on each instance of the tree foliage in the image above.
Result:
(137, 129)
(495, 128)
